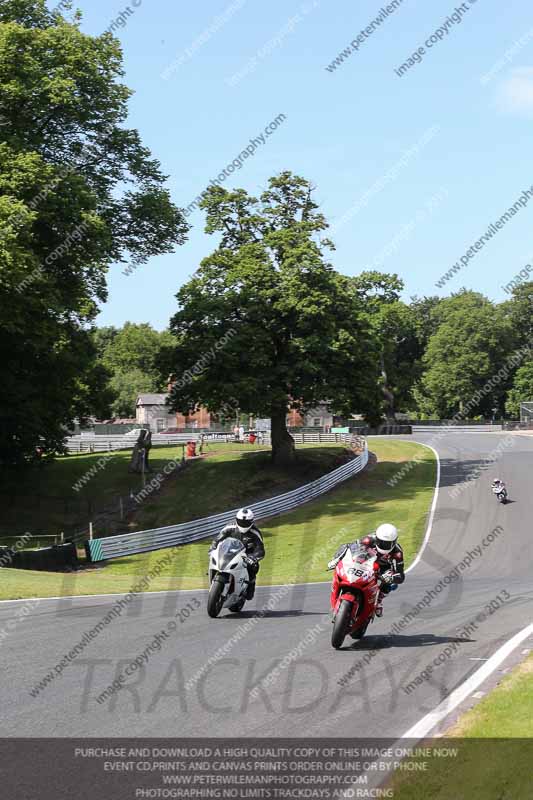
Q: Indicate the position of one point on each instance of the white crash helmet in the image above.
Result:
(386, 538)
(244, 519)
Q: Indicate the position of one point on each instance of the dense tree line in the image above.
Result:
(264, 324)
(78, 192)
(130, 357)
(304, 333)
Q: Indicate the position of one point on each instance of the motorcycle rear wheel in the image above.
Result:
(215, 600)
(341, 624)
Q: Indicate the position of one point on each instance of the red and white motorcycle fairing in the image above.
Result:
(354, 595)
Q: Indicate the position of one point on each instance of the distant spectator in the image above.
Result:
(241, 433)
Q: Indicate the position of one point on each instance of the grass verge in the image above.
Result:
(298, 544)
(495, 743)
(50, 499)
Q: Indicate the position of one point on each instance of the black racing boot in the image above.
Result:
(379, 604)
(250, 591)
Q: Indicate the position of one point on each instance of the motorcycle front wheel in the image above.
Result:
(341, 624)
(238, 606)
(215, 600)
(358, 633)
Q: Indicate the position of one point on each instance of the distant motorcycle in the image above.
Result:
(228, 577)
(501, 493)
(354, 595)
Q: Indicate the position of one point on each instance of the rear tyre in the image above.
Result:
(215, 600)
(238, 606)
(341, 624)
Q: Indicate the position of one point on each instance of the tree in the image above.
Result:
(394, 330)
(134, 346)
(424, 310)
(466, 351)
(130, 356)
(78, 191)
(266, 323)
(521, 391)
(519, 312)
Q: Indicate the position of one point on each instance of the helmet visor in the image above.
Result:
(244, 524)
(384, 546)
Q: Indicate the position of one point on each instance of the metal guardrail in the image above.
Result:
(457, 428)
(184, 533)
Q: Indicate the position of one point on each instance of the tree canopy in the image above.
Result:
(268, 319)
(468, 347)
(130, 355)
(78, 192)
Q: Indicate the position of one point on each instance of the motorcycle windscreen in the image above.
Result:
(227, 550)
(359, 553)
(362, 564)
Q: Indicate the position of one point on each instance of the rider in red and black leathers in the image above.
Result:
(388, 562)
(383, 544)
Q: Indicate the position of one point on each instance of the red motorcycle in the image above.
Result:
(354, 594)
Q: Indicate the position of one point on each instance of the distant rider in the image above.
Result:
(245, 530)
(498, 486)
(389, 556)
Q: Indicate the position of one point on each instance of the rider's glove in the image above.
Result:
(387, 577)
(333, 563)
(249, 561)
(212, 547)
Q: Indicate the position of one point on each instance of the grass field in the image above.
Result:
(495, 741)
(298, 544)
(45, 501)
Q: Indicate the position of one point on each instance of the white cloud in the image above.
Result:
(515, 94)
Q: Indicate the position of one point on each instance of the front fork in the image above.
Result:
(228, 581)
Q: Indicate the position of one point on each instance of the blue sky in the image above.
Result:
(394, 204)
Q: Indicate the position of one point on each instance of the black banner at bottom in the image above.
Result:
(291, 769)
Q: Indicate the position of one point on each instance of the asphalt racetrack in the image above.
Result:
(201, 681)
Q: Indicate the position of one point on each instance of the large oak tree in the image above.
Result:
(266, 323)
(78, 192)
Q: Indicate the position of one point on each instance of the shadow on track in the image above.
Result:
(393, 640)
(276, 614)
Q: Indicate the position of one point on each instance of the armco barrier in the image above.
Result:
(158, 538)
(457, 428)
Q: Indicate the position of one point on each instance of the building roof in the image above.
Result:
(151, 399)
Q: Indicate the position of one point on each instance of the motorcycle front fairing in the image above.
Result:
(353, 574)
(226, 560)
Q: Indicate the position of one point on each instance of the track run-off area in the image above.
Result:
(271, 670)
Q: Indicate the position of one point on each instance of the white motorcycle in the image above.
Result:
(228, 577)
(501, 493)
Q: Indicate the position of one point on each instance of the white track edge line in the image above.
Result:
(432, 512)
(427, 723)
